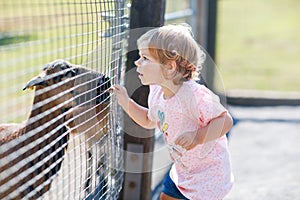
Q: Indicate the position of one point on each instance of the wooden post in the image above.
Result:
(205, 21)
(139, 142)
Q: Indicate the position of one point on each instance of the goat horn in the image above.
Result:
(33, 82)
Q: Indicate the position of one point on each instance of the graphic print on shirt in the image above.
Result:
(162, 125)
(174, 151)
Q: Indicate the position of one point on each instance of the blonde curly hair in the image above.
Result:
(174, 43)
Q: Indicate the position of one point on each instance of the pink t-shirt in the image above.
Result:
(203, 172)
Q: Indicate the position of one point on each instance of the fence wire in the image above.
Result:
(61, 140)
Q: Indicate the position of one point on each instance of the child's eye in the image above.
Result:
(144, 58)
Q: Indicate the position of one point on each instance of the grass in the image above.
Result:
(35, 33)
(10, 39)
(258, 44)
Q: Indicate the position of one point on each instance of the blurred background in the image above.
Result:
(258, 44)
(254, 48)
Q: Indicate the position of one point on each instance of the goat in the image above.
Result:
(31, 153)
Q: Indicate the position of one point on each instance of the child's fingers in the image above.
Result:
(177, 141)
(181, 141)
(184, 142)
(114, 88)
(111, 89)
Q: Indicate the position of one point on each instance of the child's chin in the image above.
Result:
(143, 82)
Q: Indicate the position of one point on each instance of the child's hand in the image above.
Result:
(187, 140)
(121, 94)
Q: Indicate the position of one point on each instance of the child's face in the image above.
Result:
(150, 71)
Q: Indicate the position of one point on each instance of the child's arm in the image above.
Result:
(135, 111)
(216, 128)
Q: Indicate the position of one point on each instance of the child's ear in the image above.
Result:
(172, 65)
(171, 70)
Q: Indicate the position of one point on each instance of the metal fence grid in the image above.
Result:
(51, 159)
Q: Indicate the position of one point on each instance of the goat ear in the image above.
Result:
(33, 82)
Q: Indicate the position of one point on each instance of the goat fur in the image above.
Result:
(21, 144)
(29, 160)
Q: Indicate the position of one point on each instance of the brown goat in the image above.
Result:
(31, 153)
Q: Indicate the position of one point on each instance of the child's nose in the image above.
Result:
(137, 62)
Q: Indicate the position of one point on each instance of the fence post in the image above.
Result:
(204, 24)
(139, 142)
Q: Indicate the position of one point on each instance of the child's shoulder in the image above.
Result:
(200, 91)
(154, 88)
(196, 86)
(155, 91)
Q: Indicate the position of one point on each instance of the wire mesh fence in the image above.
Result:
(62, 140)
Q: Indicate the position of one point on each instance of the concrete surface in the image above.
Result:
(265, 152)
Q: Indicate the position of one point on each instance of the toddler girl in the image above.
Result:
(189, 115)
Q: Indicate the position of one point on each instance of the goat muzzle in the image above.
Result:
(33, 82)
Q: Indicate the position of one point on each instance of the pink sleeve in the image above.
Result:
(208, 106)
